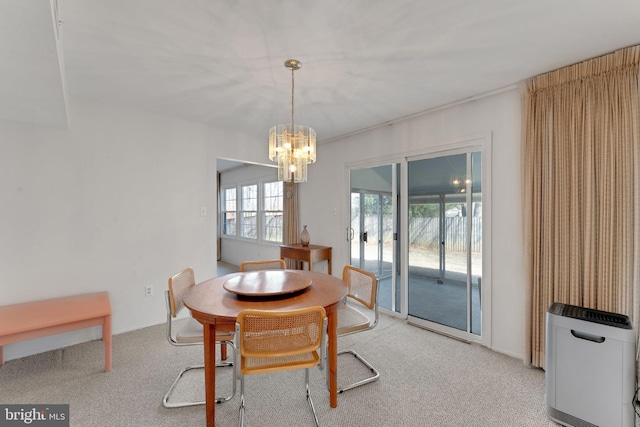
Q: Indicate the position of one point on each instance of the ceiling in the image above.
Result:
(365, 62)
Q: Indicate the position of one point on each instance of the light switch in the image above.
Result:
(203, 211)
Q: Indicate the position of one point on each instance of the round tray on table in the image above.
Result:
(267, 283)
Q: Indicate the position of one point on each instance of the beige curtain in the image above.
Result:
(580, 173)
(290, 212)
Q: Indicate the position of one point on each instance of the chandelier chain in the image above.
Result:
(292, 99)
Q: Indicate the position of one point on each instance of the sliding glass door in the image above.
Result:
(444, 240)
(417, 225)
(373, 228)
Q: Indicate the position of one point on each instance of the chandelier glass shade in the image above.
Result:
(292, 146)
(292, 150)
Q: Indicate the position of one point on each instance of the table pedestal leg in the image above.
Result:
(210, 372)
(333, 358)
(223, 352)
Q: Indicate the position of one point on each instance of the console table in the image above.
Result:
(308, 254)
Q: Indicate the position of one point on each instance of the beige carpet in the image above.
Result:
(426, 380)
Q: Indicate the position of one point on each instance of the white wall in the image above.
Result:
(499, 114)
(111, 204)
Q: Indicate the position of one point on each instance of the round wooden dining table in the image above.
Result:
(216, 303)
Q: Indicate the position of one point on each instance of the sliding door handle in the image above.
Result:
(349, 234)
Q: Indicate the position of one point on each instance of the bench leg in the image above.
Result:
(106, 337)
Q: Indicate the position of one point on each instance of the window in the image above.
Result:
(272, 217)
(229, 204)
(249, 211)
(253, 210)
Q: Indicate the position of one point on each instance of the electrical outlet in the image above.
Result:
(148, 291)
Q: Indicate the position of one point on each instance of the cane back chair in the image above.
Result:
(272, 341)
(190, 332)
(270, 264)
(359, 313)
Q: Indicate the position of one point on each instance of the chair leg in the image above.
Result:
(368, 380)
(223, 363)
(224, 355)
(309, 400)
(241, 410)
(165, 400)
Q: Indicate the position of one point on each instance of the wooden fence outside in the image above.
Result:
(424, 232)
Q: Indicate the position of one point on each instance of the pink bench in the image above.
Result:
(21, 322)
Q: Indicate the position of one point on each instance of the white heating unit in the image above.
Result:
(590, 367)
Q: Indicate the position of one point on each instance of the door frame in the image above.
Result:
(479, 142)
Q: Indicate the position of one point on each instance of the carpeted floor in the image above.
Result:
(426, 380)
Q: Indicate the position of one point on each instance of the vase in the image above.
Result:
(304, 236)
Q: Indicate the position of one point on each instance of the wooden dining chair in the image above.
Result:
(190, 332)
(359, 313)
(273, 341)
(269, 264)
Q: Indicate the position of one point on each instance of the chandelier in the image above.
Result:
(292, 146)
